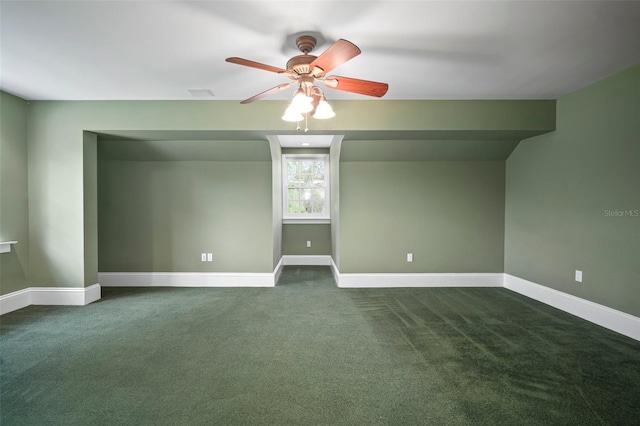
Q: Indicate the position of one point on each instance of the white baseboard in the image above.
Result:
(419, 280)
(207, 279)
(277, 271)
(14, 301)
(307, 260)
(185, 279)
(335, 272)
(49, 296)
(92, 294)
(612, 319)
(64, 295)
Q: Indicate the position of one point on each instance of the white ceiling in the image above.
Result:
(423, 49)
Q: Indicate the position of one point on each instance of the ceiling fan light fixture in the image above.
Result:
(305, 70)
(323, 110)
(292, 114)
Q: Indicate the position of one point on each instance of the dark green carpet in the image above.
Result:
(308, 353)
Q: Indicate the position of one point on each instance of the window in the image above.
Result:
(305, 186)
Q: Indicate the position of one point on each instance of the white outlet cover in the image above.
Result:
(308, 243)
(209, 257)
(409, 257)
(203, 257)
(578, 276)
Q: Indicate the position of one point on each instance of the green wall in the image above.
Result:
(276, 199)
(90, 197)
(450, 215)
(295, 237)
(59, 242)
(55, 134)
(160, 216)
(14, 204)
(560, 187)
(334, 165)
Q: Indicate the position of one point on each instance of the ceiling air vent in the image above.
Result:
(201, 93)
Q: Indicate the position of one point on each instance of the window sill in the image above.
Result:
(5, 246)
(305, 221)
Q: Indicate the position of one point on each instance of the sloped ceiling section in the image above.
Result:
(357, 146)
(372, 131)
(183, 150)
(426, 150)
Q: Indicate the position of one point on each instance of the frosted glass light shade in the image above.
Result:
(292, 114)
(302, 102)
(323, 111)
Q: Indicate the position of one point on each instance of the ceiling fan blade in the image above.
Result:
(253, 64)
(267, 92)
(354, 85)
(340, 52)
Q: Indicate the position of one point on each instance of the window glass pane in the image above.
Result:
(291, 168)
(317, 194)
(305, 187)
(294, 207)
(318, 206)
(318, 169)
(306, 194)
(307, 207)
(292, 180)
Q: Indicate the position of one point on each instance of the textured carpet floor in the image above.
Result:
(308, 353)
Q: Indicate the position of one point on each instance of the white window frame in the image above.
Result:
(323, 217)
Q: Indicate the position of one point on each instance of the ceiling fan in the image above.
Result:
(306, 69)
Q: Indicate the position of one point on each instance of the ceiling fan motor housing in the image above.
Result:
(300, 64)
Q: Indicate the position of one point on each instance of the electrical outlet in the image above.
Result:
(308, 243)
(409, 257)
(578, 276)
(209, 257)
(203, 257)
